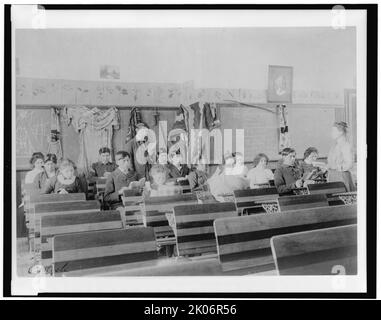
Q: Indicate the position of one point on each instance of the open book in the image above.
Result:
(137, 184)
(315, 174)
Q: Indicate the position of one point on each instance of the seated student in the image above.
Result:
(226, 182)
(162, 157)
(312, 169)
(160, 186)
(260, 174)
(120, 179)
(239, 166)
(104, 167)
(65, 181)
(37, 162)
(176, 168)
(197, 177)
(288, 175)
(50, 171)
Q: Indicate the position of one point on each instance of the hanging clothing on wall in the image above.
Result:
(211, 116)
(54, 140)
(95, 128)
(284, 137)
(205, 115)
(135, 120)
(179, 134)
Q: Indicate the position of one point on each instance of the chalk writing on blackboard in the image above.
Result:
(32, 129)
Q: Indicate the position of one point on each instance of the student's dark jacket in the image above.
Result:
(115, 181)
(285, 178)
(100, 168)
(174, 173)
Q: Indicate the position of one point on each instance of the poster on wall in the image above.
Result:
(280, 84)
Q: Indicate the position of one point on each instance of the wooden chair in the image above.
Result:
(52, 225)
(185, 187)
(132, 211)
(288, 203)
(91, 190)
(250, 201)
(319, 252)
(194, 226)
(154, 214)
(329, 189)
(89, 252)
(100, 186)
(244, 242)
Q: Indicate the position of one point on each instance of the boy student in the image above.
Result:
(289, 175)
(104, 166)
(120, 179)
(175, 168)
(198, 177)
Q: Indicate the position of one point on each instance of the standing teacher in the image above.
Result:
(340, 158)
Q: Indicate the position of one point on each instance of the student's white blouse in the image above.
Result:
(31, 175)
(259, 176)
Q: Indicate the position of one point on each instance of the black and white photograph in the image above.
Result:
(189, 150)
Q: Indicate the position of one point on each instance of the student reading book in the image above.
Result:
(120, 179)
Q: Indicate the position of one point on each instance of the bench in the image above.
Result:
(52, 225)
(328, 189)
(53, 197)
(320, 252)
(154, 214)
(89, 251)
(250, 201)
(132, 211)
(59, 208)
(287, 203)
(194, 226)
(244, 241)
(35, 197)
(205, 266)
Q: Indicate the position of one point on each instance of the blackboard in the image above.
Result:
(308, 126)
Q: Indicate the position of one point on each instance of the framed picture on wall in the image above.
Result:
(109, 72)
(280, 84)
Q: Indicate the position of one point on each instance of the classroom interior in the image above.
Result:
(61, 72)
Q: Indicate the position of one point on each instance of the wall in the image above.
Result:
(323, 58)
(167, 67)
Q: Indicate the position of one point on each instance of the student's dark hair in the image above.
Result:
(51, 157)
(309, 151)
(287, 151)
(342, 126)
(124, 154)
(35, 157)
(258, 158)
(104, 150)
